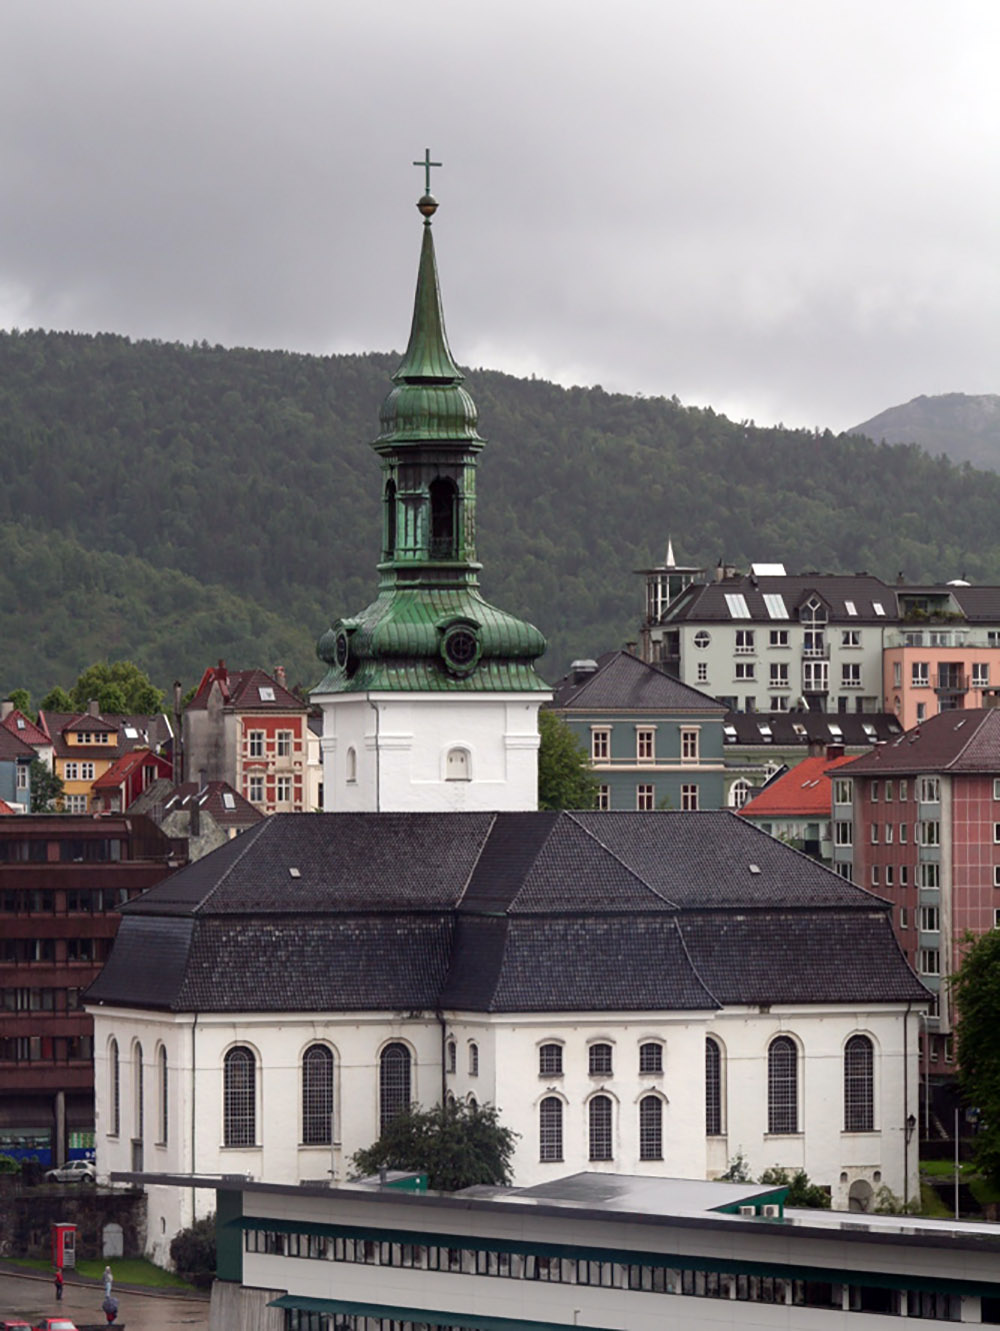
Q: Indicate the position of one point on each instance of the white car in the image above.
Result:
(73, 1171)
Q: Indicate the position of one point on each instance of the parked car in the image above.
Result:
(73, 1171)
(55, 1324)
(15, 1326)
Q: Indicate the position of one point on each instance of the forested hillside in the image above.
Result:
(176, 503)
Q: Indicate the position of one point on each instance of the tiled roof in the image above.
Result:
(24, 728)
(13, 747)
(122, 768)
(216, 798)
(708, 602)
(784, 729)
(803, 791)
(954, 741)
(241, 689)
(623, 682)
(131, 732)
(6, 809)
(501, 912)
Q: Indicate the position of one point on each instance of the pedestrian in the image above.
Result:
(110, 1307)
(109, 1280)
(59, 1282)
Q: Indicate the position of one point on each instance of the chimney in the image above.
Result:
(279, 675)
(6, 707)
(581, 670)
(92, 708)
(835, 751)
(991, 698)
(194, 817)
(222, 672)
(177, 747)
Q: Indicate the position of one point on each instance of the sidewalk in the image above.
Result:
(70, 1277)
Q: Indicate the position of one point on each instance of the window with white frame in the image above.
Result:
(689, 744)
(317, 1096)
(75, 803)
(996, 875)
(903, 832)
(929, 833)
(239, 1097)
(904, 875)
(843, 790)
(859, 1085)
(850, 675)
(888, 791)
(745, 669)
(689, 798)
(604, 797)
(850, 637)
(644, 797)
(843, 833)
(650, 1128)
(71, 771)
(920, 674)
(904, 918)
(873, 791)
(904, 791)
(778, 703)
(888, 830)
(930, 919)
(550, 1129)
(889, 875)
(739, 793)
(816, 676)
(600, 745)
(777, 637)
(745, 640)
(255, 789)
(778, 672)
(702, 672)
(929, 790)
(283, 743)
(897, 674)
(874, 834)
(600, 1113)
(980, 674)
(875, 874)
(702, 639)
(928, 961)
(782, 1086)
(996, 788)
(921, 712)
(930, 875)
(283, 790)
(645, 745)
(255, 743)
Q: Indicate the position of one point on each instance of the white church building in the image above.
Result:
(638, 993)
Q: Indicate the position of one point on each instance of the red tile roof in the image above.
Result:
(5, 808)
(965, 740)
(803, 791)
(122, 768)
(240, 690)
(24, 728)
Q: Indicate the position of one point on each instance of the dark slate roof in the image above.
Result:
(805, 728)
(953, 741)
(12, 747)
(131, 732)
(622, 682)
(240, 689)
(502, 912)
(708, 602)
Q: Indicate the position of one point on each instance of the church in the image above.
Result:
(651, 993)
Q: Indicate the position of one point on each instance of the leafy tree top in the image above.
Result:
(120, 688)
(565, 780)
(456, 1145)
(976, 989)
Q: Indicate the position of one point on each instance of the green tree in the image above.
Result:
(192, 1250)
(46, 787)
(57, 700)
(800, 1191)
(565, 780)
(120, 687)
(455, 1145)
(21, 699)
(976, 989)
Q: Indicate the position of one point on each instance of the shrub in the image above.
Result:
(192, 1250)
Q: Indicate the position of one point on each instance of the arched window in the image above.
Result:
(739, 793)
(114, 1089)
(443, 494)
(452, 1056)
(456, 765)
(859, 1085)
(352, 765)
(164, 1116)
(139, 1092)
(550, 1132)
(650, 1128)
(550, 1060)
(317, 1096)
(600, 1112)
(390, 519)
(600, 1060)
(473, 1059)
(651, 1058)
(394, 1082)
(239, 1097)
(713, 1087)
(782, 1086)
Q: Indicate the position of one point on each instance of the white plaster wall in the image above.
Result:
(401, 742)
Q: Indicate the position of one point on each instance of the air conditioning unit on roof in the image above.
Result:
(748, 1210)
(774, 1212)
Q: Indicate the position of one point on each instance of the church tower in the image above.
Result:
(431, 698)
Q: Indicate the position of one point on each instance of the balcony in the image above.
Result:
(951, 679)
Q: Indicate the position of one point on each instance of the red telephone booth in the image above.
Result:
(63, 1245)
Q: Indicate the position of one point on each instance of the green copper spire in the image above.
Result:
(429, 628)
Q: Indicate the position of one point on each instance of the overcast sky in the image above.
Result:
(783, 209)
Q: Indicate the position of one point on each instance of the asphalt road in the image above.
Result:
(30, 1298)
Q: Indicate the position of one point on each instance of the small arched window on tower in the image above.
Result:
(390, 519)
(457, 766)
(352, 766)
(443, 496)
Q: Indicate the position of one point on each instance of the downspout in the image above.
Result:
(906, 1105)
(194, 1116)
(378, 765)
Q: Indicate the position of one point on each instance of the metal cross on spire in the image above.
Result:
(427, 164)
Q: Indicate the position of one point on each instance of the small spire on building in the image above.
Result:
(671, 562)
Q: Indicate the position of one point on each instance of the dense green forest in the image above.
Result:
(174, 504)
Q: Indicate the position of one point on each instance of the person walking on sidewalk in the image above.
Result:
(109, 1280)
(59, 1282)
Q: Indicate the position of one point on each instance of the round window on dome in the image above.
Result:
(460, 648)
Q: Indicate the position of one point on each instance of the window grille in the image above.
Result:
(713, 1088)
(651, 1057)
(782, 1086)
(600, 1128)
(859, 1085)
(600, 1060)
(164, 1100)
(550, 1133)
(116, 1087)
(650, 1128)
(139, 1092)
(239, 1097)
(452, 1056)
(394, 1088)
(317, 1096)
(550, 1060)
(473, 1059)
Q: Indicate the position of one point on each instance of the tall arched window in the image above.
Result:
(139, 1092)
(394, 1082)
(600, 1112)
(783, 1085)
(317, 1096)
(473, 1059)
(352, 764)
(713, 1087)
(239, 1097)
(164, 1116)
(114, 1089)
(550, 1130)
(859, 1085)
(443, 495)
(390, 519)
(650, 1128)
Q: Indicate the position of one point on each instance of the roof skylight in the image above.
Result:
(774, 604)
(878, 607)
(265, 693)
(835, 730)
(736, 603)
(228, 802)
(850, 607)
